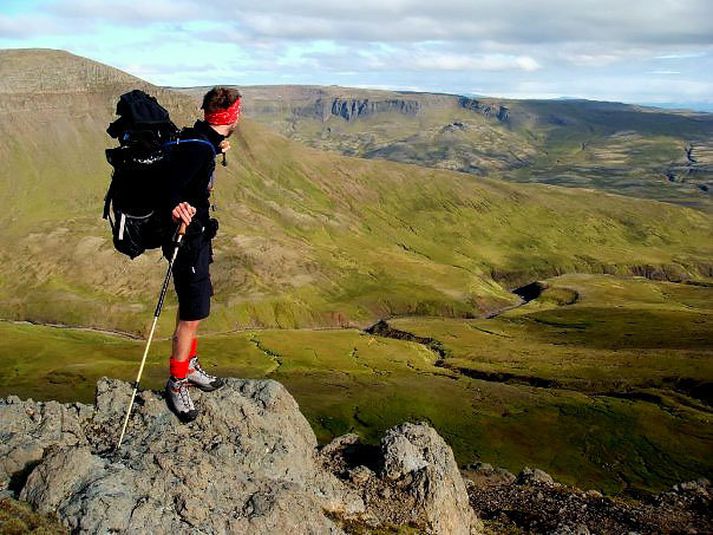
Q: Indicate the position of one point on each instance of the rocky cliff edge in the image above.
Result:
(249, 464)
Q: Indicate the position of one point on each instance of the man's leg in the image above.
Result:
(191, 278)
(195, 373)
(183, 342)
(177, 386)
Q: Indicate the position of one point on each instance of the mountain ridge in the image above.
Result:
(46, 70)
(629, 149)
(453, 240)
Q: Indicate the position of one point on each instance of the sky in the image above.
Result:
(642, 51)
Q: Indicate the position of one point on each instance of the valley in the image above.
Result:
(602, 378)
(612, 392)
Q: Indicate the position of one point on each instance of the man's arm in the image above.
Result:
(185, 165)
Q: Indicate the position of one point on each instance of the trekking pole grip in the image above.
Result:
(180, 232)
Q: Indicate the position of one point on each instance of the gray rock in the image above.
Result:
(360, 475)
(248, 464)
(418, 458)
(536, 476)
(505, 475)
(700, 486)
(29, 428)
(565, 529)
(353, 108)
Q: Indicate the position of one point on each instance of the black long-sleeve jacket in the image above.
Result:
(190, 171)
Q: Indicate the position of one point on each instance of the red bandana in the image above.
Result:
(224, 116)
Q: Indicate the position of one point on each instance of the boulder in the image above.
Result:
(29, 428)
(535, 476)
(420, 462)
(249, 463)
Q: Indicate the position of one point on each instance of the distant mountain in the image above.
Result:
(632, 150)
(705, 107)
(307, 238)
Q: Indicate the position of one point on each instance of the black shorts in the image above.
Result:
(191, 277)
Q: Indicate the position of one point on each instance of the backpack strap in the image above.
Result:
(107, 200)
(192, 140)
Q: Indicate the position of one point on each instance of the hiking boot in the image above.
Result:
(179, 400)
(198, 377)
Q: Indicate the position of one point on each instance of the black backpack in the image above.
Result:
(147, 137)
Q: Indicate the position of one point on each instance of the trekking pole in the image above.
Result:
(157, 313)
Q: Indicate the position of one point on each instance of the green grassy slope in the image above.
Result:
(307, 238)
(641, 152)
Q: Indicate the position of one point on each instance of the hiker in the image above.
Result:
(189, 185)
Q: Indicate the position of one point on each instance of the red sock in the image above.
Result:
(179, 368)
(194, 348)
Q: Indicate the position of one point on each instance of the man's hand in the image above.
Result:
(183, 212)
(224, 146)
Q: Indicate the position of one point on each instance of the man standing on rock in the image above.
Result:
(189, 186)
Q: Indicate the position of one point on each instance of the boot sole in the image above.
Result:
(185, 418)
(207, 388)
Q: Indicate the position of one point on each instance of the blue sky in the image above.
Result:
(654, 51)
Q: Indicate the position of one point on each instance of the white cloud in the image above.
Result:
(683, 55)
(513, 21)
(460, 62)
(558, 47)
(509, 21)
(591, 60)
(128, 12)
(22, 26)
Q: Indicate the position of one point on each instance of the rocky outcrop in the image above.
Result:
(422, 463)
(318, 109)
(249, 464)
(353, 108)
(499, 112)
(350, 109)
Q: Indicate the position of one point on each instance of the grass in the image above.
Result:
(308, 238)
(17, 518)
(586, 428)
(619, 334)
